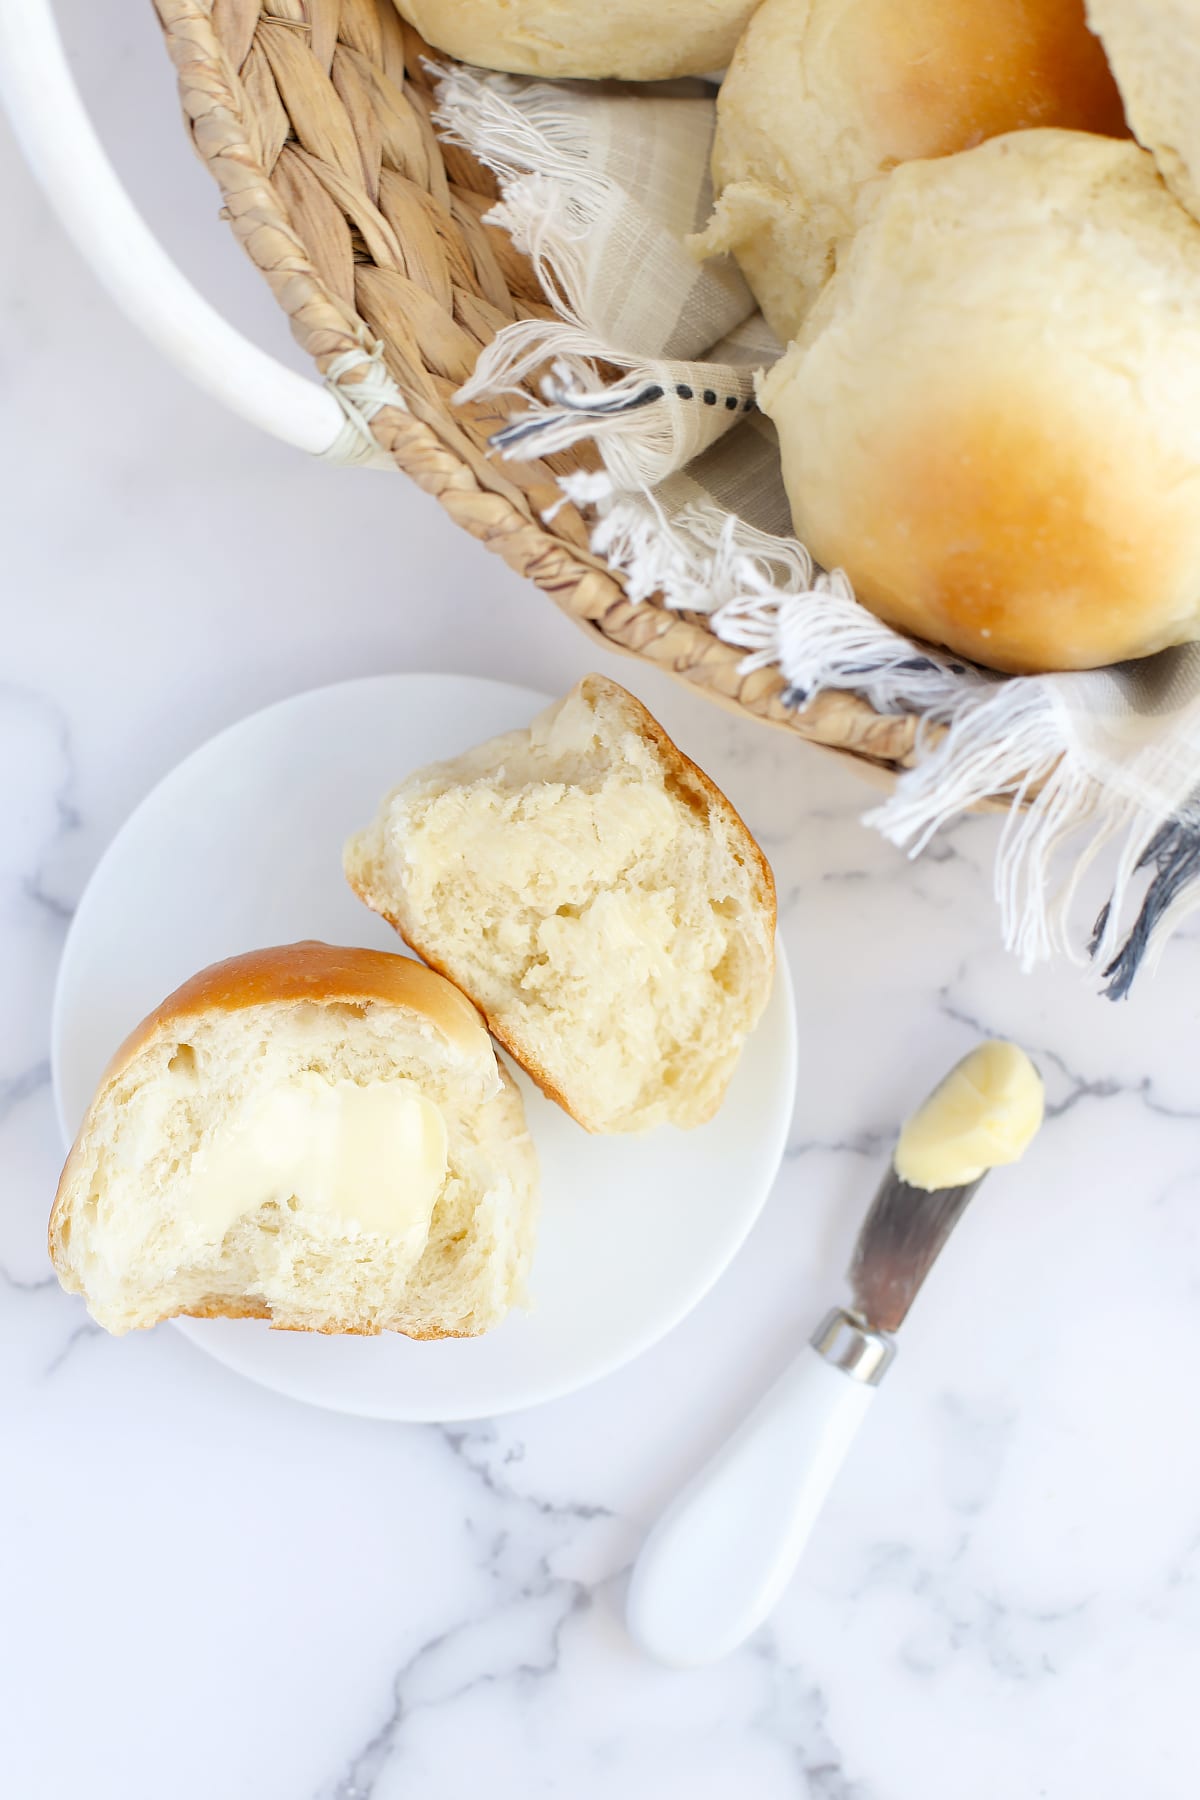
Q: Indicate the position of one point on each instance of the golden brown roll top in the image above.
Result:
(991, 419)
(825, 96)
(321, 973)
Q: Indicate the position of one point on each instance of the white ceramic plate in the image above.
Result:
(240, 846)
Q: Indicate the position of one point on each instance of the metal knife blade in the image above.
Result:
(901, 1239)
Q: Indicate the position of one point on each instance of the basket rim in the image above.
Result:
(434, 448)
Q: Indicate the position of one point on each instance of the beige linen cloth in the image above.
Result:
(603, 190)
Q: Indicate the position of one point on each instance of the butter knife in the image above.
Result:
(713, 1567)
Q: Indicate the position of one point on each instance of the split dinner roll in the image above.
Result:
(824, 96)
(1154, 49)
(315, 1136)
(991, 420)
(630, 40)
(596, 896)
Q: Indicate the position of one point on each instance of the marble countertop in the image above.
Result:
(208, 1590)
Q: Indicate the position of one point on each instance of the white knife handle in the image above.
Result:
(717, 1561)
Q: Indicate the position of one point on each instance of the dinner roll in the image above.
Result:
(596, 896)
(824, 96)
(991, 419)
(632, 40)
(1154, 49)
(314, 1136)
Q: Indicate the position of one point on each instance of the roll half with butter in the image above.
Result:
(316, 1136)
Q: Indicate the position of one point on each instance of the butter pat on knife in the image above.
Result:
(986, 1112)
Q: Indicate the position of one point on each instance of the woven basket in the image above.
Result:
(314, 118)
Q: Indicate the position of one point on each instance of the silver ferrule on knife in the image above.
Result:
(901, 1238)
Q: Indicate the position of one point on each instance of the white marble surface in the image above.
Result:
(206, 1590)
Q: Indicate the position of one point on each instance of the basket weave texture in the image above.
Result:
(314, 116)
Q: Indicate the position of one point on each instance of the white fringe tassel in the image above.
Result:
(513, 127)
(1010, 741)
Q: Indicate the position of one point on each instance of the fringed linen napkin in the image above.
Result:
(602, 191)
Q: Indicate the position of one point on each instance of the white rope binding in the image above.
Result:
(355, 446)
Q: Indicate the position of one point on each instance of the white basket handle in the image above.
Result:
(82, 186)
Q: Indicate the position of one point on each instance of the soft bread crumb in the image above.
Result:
(596, 896)
(1153, 47)
(122, 1234)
